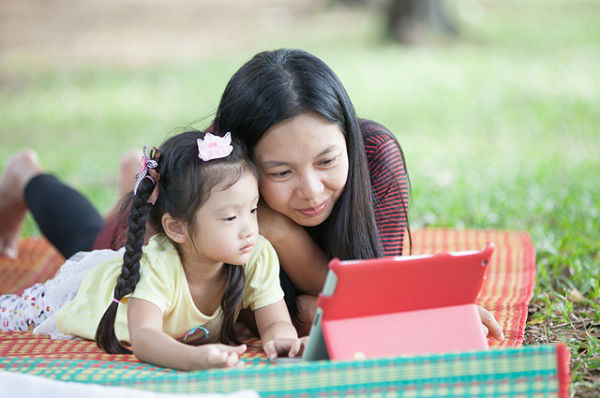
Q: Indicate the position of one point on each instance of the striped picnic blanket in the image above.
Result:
(506, 293)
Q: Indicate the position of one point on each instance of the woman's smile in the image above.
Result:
(314, 211)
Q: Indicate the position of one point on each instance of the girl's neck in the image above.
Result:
(206, 282)
(199, 269)
(201, 272)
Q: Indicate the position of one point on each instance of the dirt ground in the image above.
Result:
(142, 31)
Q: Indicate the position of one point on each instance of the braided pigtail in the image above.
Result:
(130, 271)
(232, 296)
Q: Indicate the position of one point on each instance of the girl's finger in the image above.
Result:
(295, 348)
(216, 358)
(231, 360)
(270, 349)
(238, 349)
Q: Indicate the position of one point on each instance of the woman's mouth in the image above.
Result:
(315, 211)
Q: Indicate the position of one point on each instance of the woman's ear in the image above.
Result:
(175, 229)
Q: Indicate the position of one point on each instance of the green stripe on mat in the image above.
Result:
(530, 371)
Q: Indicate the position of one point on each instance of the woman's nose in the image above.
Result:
(310, 186)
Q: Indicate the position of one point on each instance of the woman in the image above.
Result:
(332, 185)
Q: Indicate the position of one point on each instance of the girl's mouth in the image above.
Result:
(248, 248)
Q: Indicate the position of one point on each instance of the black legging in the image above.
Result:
(65, 217)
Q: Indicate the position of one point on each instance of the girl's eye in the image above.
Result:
(254, 210)
(229, 218)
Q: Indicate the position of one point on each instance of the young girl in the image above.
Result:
(187, 286)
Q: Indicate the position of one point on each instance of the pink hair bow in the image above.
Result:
(214, 147)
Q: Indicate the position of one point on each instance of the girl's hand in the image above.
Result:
(490, 326)
(276, 331)
(218, 356)
(284, 347)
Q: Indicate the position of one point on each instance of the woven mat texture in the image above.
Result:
(506, 292)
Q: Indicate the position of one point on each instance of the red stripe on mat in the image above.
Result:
(506, 291)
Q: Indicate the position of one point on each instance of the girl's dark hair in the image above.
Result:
(184, 184)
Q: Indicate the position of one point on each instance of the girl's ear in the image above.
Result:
(175, 229)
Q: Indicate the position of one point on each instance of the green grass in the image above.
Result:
(501, 129)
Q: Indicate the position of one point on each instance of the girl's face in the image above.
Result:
(303, 167)
(225, 227)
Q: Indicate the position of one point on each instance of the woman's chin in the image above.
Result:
(310, 220)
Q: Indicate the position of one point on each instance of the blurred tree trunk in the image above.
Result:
(405, 18)
(353, 3)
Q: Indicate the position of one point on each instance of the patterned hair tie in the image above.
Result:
(147, 164)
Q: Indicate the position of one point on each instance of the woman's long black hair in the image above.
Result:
(276, 85)
(184, 182)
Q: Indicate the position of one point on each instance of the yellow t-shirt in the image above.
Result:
(163, 283)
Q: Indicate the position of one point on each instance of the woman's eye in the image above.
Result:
(229, 218)
(253, 211)
(281, 174)
(327, 162)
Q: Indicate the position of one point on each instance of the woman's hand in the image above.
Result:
(289, 347)
(490, 326)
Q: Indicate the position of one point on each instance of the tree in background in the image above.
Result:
(406, 19)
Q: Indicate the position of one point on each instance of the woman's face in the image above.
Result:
(303, 167)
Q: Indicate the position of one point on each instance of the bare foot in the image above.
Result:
(131, 164)
(18, 171)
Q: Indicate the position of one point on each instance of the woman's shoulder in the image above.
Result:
(375, 134)
(381, 147)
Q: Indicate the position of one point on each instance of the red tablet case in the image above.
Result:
(405, 305)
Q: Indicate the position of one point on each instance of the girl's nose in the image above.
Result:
(250, 228)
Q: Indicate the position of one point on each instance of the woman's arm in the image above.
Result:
(277, 333)
(150, 344)
(301, 258)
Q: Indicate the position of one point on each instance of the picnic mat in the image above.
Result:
(540, 371)
(506, 292)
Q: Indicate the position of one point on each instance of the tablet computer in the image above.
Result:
(400, 306)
